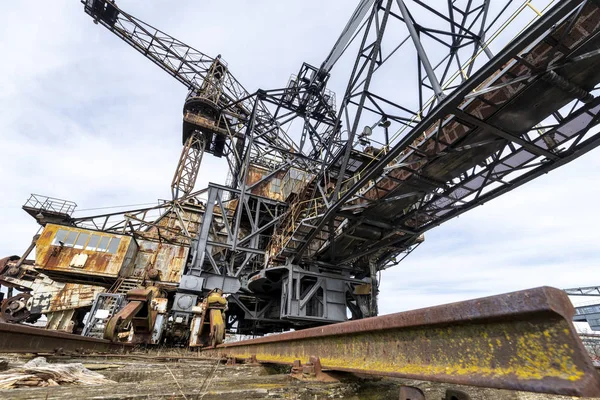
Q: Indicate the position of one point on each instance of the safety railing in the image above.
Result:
(51, 204)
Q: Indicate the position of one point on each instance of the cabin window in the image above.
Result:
(93, 243)
(589, 309)
(60, 236)
(114, 245)
(276, 185)
(103, 245)
(81, 240)
(87, 241)
(70, 239)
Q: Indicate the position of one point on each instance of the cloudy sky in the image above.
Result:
(85, 118)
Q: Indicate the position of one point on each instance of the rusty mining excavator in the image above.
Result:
(308, 218)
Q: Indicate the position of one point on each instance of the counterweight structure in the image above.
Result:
(308, 218)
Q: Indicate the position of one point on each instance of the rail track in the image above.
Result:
(16, 338)
(518, 341)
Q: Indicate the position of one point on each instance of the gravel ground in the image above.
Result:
(141, 378)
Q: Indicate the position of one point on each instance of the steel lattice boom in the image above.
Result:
(584, 291)
(471, 143)
(205, 77)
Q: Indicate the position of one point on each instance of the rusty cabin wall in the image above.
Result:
(85, 257)
(51, 296)
(172, 229)
(271, 188)
(168, 259)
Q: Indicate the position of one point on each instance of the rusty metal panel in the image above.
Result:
(521, 341)
(130, 256)
(176, 228)
(56, 258)
(73, 295)
(268, 188)
(168, 259)
(51, 296)
(170, 262)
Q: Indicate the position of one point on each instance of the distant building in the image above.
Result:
(589, 314)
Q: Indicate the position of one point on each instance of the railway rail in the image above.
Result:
(518, 341)
(16, 338)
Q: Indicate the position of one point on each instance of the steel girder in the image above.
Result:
(465, 122)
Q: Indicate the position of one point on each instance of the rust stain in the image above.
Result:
(521, 341)
(265, 189)
(72, 296)
(168, 259)
(51, 257)
(4, 263)
(173, 229)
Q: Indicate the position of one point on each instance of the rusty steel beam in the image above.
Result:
(520, 341)
(16, 338)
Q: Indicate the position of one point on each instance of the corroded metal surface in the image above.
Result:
(522, 341)
(14, 309)
(55, 260)
(5, 263)
(27, 339)
(269, 188)
(167, 259)
(69, 296)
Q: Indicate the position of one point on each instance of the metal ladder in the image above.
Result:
(105, 306)
(124, 285)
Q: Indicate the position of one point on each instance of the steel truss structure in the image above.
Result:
(208, 78)
(232, 239)
(584, 291)
(470, 143)
(432, 123)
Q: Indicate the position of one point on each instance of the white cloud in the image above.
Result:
(544, 233)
